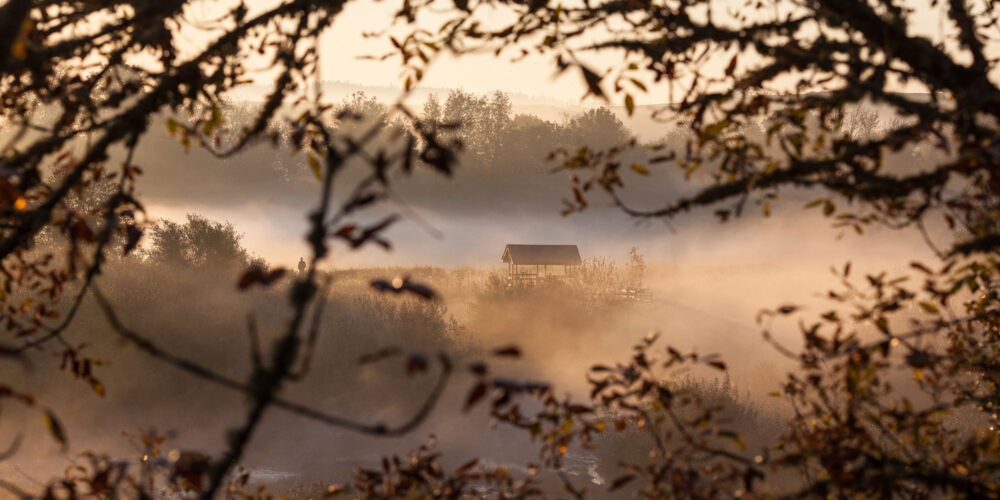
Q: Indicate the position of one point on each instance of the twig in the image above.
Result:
(12, 449)
(254, 337)
(579, 494)
(310, 344)
(98, 257)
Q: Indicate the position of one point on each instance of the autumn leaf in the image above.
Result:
(401, 285)
(132, 236)
(55, 427)
(467, 466)
(508, 351)
(731, 67)
(592, 80)
(379, 355)
(19, 48)
(621, 481)
(416, 363)
(314, 166)
(928, 307)
(718, 365)
(640, 168)
(475, 395)
(787, 309)
(97, 386)
(257, 275)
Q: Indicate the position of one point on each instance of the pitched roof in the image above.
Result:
(562, 255)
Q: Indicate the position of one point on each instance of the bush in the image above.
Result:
(199, 243)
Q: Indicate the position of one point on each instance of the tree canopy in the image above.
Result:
(200, 243)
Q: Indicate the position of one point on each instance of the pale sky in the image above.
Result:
(343, 46)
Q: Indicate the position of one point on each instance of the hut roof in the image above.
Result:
(559, 255)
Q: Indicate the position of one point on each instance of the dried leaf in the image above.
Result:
(508, 351)
(621, 481)
(55, 427)
(257, 275)
(379, 355)
(592, 80)
(416, 363)
(640, 168)
(475, 395)
(314, 166)
(719, 365)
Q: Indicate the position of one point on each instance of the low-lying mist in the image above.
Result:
(707, 282)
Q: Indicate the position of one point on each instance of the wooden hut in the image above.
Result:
(528, 263)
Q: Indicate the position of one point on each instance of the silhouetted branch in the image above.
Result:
(377, 429)
(310, 344)
(988, 243)
(12, 448)
(255, 358)
(119, 198)
(579, 494)
(17, 492)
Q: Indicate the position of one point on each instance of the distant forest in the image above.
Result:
(506, 159)
(509, 154)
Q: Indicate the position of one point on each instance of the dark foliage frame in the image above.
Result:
(796, 66)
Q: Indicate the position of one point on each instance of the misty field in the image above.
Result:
(188, 292)
(561, 327)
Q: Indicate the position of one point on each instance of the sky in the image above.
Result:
(344, 46)
(348, 55)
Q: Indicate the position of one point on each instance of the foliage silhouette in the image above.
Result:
(200, 243)
(796, 70)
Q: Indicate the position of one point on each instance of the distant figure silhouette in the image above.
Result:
(302, 265)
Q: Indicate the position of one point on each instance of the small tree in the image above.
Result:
(199, 243)
(597, 128)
